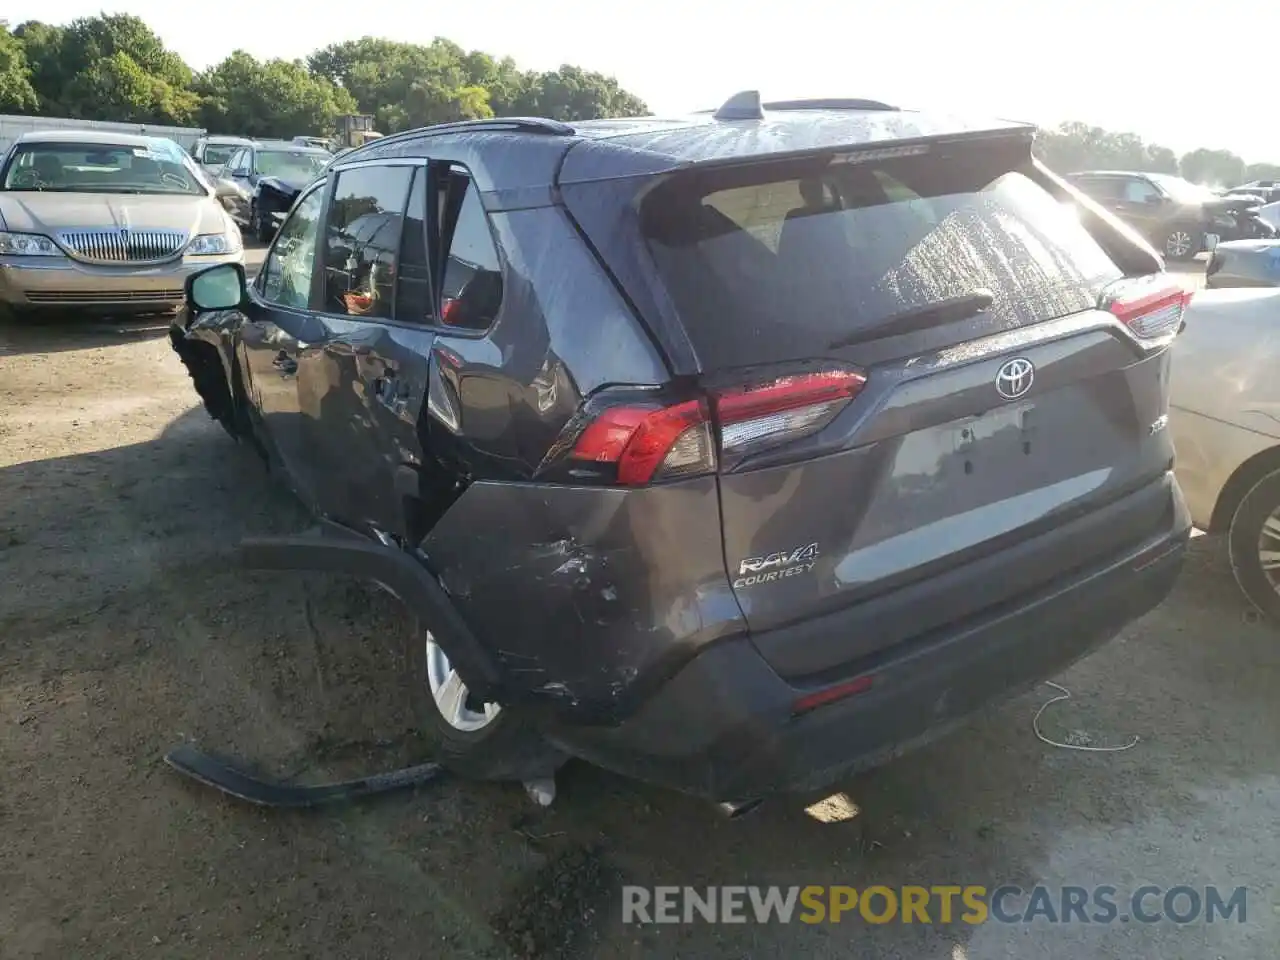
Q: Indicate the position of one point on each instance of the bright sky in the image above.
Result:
(1145, 66)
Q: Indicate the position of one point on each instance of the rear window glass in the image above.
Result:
(777, 262)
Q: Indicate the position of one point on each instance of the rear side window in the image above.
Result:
(472, 287)
(362, 240)
(778, 261)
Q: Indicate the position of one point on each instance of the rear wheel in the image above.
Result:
(483, 741)
(1183, 242)
(1253, 544)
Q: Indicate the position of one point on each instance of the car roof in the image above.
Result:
(705, 137)
(534, 153)
(1117, 173)
(288, 146)
(88, 136)
(238, 141)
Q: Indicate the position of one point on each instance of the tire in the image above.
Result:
(507, 747)
(1247, 537)
(1183, 242)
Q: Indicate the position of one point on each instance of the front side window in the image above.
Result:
(362, 238)
(287, 270)
(99, 168)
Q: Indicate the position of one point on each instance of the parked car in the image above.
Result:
(212, 153)
(105, 221)
(1267, 191)
(1244, 263)
(321, 143)
(736, 452)
(270, 176)
(1225, 419)
(1180, 218)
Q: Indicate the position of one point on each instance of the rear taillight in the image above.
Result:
(644, 443)
(1149, 306)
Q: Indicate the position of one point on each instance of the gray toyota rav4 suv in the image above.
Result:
(734, 452)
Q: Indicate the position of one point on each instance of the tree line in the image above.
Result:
(115, 67)
(1077, 146)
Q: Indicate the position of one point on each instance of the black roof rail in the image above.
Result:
(516, 124)
(741, 106)
(828, 103)
(496, 124)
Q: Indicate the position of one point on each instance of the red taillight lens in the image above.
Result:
(649, 444)
(1149, 306)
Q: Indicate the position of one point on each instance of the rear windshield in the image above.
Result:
(778, 262)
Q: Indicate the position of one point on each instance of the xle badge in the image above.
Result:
(776, 566)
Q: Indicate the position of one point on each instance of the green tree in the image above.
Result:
(17, 95)
(406, 85)
(1220, 168)
(42, 45)
(572, 93)
(1262, 171)
(108, 67)
(116, 87)
(278, 98)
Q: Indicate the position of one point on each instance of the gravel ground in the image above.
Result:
(125, 628)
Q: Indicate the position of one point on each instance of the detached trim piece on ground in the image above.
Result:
(230, 779)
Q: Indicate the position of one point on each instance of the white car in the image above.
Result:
(1224, 415)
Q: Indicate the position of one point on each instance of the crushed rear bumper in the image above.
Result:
(724, 726)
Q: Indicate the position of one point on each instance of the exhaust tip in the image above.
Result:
(734, 809)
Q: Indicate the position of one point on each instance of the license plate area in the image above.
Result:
(995, 440)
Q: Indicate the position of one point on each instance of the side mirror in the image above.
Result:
(220, 287)
(223, 188)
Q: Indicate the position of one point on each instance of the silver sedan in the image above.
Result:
(106, 221)
(1225, 420)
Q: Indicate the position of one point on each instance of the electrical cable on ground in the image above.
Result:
(1065, 694)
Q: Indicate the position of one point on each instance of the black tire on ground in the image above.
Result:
(1245, 540)
(1175, 233)
(509, 748)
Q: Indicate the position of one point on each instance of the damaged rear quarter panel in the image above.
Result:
(587, 596)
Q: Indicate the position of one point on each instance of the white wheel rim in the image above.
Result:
(452, 698)
(1269, 549)
(1178, 244)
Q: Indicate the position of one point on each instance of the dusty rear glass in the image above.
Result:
(780, 260)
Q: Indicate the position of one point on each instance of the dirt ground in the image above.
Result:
(126, 628)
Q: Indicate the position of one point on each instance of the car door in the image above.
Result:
(279, 326)
(362, 381)
(237, 171)
(1143, 204)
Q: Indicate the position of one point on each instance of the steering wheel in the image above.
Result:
(173, 178)
(26, 179)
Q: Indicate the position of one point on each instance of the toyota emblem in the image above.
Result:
(1014, 378)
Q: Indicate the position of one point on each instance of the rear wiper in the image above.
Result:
(951, 310)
